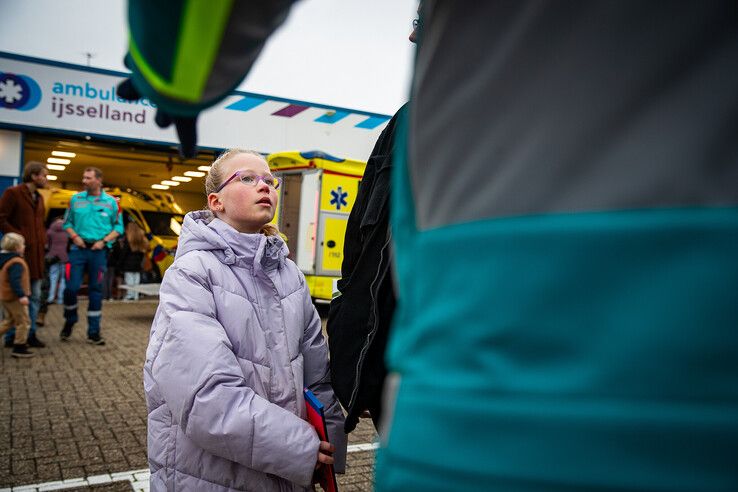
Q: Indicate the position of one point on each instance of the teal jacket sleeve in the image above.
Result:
(118, 224)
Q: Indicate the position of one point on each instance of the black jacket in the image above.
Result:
(359, 319)
(128, 260)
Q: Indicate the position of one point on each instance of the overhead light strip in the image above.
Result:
(61, 153)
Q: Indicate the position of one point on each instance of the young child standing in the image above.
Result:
(15, 287)
(234, 341)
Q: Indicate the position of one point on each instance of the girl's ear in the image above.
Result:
(214, 203)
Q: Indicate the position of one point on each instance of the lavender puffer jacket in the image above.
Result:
(234, 340)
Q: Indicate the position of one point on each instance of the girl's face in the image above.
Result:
(245, 207)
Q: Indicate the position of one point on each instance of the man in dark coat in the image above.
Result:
(22, 211)
(360, 317)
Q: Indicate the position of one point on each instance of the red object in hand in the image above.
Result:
(315, 415)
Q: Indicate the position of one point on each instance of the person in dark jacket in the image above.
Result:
(360, 316)
(57, 258)
(22, 211)
(130, 261)
(15, 287)
(55, 262)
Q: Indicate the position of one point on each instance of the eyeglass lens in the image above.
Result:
(253, 179)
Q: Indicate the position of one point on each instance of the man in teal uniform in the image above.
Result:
(93, 222)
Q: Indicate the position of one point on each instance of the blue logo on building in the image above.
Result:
(19, 92)
(339, 198)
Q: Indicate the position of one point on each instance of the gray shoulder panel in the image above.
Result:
(539, 107)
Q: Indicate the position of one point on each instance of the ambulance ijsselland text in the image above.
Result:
(101, 110)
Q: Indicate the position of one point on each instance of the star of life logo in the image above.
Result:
(18, 92)
(338, 198)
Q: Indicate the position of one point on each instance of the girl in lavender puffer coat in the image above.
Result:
(234, 341)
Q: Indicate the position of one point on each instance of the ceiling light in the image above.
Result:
(51, 177)
(194, 174)
(182, 179)
(203, 168)
(60, 153)
(159, 187)
(55, 167)
(170, 183)
(56, 160)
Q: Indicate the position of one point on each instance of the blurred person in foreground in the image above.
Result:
(565, 228)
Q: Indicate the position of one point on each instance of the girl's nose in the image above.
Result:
(261, 183)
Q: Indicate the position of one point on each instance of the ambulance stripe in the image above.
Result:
(372, 122)
(246, 104)
(332, 117)
(290, 110)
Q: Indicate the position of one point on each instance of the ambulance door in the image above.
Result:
(338, 193)
(288, 211)
(298, 216)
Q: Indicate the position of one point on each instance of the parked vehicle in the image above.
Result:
(317, 193)
(160, 217)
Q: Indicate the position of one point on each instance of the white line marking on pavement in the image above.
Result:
(139, 482)
(139, 479)
(368, 446)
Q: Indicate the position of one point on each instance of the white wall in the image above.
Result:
(11, 149)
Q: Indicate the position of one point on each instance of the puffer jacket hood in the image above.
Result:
(201, 231)
(234, 341)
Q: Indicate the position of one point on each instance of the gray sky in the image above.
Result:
(350, 53)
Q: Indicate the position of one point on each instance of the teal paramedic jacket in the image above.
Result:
(93, 217)
(565, 218)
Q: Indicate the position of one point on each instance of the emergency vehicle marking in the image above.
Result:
(338, 197)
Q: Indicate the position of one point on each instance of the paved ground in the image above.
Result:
(75, 415)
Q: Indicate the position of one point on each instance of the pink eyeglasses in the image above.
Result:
(251, 179)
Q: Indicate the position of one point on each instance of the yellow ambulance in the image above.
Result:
(316, 196)
(158, 215)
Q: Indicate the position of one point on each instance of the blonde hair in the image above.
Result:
(136, 238)
(11, 241)
(215, 178)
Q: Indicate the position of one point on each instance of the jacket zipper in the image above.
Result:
(373, 331)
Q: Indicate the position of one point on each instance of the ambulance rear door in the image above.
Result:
(297, 215)
(338, 194)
